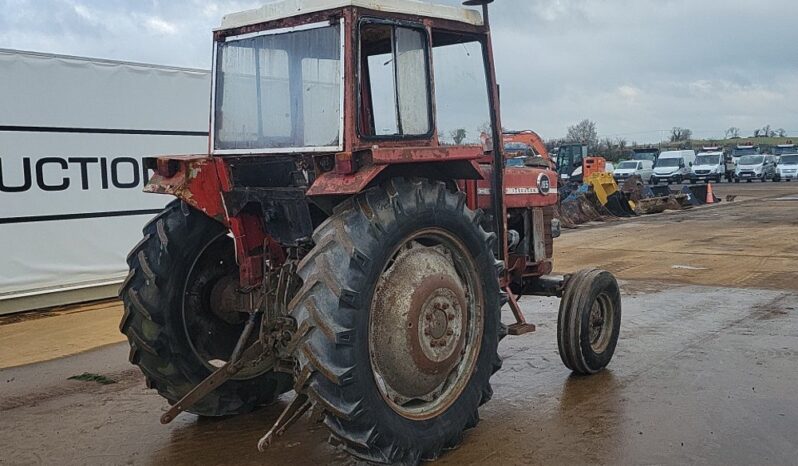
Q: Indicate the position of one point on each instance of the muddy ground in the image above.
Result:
(706, 369)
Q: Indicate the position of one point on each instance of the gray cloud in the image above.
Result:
(633, 66)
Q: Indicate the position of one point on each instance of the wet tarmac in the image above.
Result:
(705, 372)
(702, 374)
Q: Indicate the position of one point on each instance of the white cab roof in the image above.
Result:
(288, 8)
(675, 153)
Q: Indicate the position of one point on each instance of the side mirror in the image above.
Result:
(691, 164)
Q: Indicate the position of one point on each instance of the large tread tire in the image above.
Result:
(573, 335)
(152, 296)
(340, 275)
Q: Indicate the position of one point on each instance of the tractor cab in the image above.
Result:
(316, 100)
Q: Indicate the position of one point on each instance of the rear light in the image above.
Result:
(344, 164)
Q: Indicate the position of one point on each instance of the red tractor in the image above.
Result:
(334, 243)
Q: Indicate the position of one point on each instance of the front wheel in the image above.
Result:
(402, 300)
(589, 321)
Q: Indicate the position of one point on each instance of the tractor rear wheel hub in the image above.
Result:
(418, 322)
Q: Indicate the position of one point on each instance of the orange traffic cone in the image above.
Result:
(710, 196)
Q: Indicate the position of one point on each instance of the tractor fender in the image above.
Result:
(196, 179)
(331, 183)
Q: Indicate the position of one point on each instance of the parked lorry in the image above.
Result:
(787, 168)
(330, 243)
(741, 150)
(673, 166)
(712, 165)
(782, 149)
(645, 153)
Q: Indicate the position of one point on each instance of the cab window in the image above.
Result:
(394, 81)
(462, 109)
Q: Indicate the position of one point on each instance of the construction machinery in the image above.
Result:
(524, 143)
(525, 148)
(330, 243)
(574, 165)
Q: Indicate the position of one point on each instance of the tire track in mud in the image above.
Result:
(122, 381)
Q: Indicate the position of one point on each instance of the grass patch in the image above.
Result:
(89, 377)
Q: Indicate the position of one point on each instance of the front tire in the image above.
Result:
(589, 321)
(176, 318)
(388, 393)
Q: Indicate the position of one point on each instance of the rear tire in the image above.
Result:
(589, 321)
(341, 369)
(159, 312)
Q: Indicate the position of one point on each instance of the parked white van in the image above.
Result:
(673, 166)
(787, 168)
(711, 166)
(755, 167)
(625, 169)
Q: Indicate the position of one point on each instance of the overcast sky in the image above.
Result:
(636, 67)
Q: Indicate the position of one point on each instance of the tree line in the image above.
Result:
(614, 149)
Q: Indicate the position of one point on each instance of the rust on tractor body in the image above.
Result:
(193, 178)
(257, 205)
